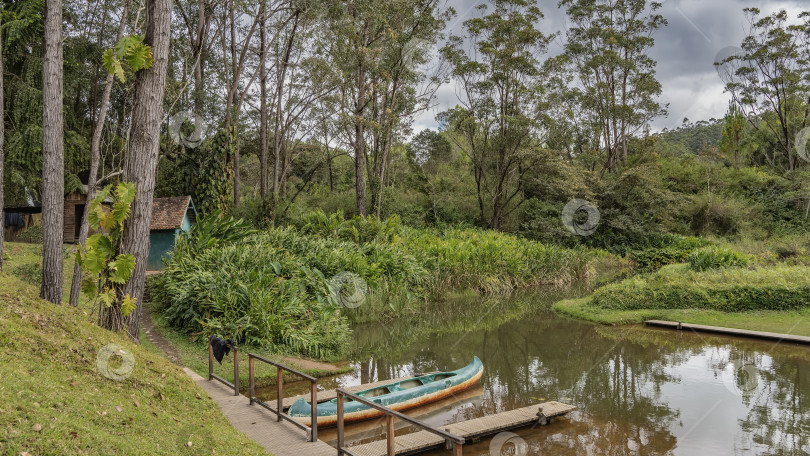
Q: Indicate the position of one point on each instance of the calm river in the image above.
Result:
(639, 391)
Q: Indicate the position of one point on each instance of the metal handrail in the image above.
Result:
(312, 431)
(453, 441)
(213, 376)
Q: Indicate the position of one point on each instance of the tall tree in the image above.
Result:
(733, 133)
(501, 110)
(2, 143)
(95, 158)
(608, 47)
(140, 163)
(770, 82)
(53, 168)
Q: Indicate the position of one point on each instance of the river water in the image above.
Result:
(638, 390)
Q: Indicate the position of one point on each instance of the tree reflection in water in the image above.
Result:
(639, 391)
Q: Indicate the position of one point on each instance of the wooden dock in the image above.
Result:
(279, 438)
(729, 331)
(472, 430)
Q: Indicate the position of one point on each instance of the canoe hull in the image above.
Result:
(369, 413)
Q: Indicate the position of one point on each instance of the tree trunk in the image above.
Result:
(359, 142)
(53, 168)
(263, 107)
(95, 158)
(140, 163)
(2, 149)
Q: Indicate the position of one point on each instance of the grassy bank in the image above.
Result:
(55, 400)
(773, 299)
(193, 353)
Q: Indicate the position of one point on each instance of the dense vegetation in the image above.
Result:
(294, 287)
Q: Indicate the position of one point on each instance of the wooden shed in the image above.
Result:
(170, 217)
(74, 210)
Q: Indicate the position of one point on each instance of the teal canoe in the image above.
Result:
(401, 395)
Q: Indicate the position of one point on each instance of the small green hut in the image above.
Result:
(170, 217)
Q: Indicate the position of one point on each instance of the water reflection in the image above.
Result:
(639, 391)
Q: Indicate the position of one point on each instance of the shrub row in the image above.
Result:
(729, 290)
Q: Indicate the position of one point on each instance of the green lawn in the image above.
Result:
(774, 299)
(54, 398)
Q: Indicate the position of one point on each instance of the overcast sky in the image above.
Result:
(685, 49)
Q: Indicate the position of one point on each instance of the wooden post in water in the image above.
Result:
(313, 389)
(280, 391)
(391, 446)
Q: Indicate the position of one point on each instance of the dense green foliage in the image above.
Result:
(715, 258)
(284, 287)
(728, 290)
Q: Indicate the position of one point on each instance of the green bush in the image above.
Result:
(707, 258)
(727, 290)
(665, 250)
(32, 234)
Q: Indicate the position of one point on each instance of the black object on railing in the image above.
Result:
(213, 376)
(312, 431)
(453, 442)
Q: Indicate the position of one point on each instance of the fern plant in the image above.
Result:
(99, 258)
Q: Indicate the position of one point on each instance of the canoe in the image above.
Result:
(399, 396)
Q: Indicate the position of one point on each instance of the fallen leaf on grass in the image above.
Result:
(119, 408)
(37, 427)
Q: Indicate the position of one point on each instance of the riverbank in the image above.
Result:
(771, 299)
(193, 354)
(56, 398)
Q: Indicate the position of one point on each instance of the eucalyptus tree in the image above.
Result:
(399, 87)
(500, 117)
(2, 143)
(770, 82)
(140, 163)
(608, 48)
(95, 159)
(731, 143)
(53, 155)
(376, 47)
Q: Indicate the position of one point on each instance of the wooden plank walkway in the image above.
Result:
(279, 438)
(472, 429)
(729, 331)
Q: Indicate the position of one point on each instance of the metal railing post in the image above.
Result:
(340, 423)
(252, 381)
(313, 389)
(280, 390)
(235, 370)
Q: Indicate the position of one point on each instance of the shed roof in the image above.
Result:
(168, 213)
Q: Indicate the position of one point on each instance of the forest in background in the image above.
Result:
(277, 108)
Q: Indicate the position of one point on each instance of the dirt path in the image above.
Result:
(156, 338)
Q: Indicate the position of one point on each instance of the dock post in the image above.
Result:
(313, 423)
(210, 360)
(340, 423)
(235, 371)
(390, 436)
(280, 391)
(252, 382)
